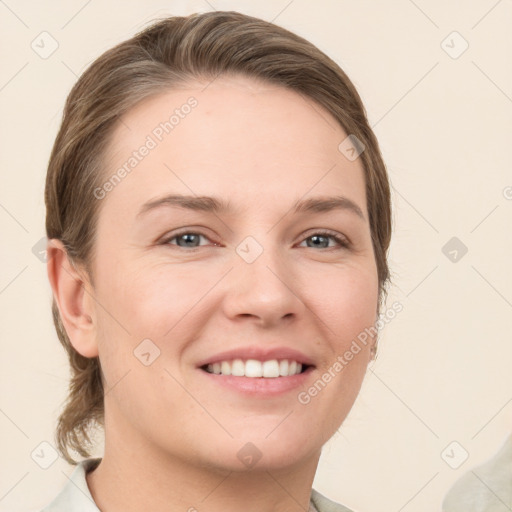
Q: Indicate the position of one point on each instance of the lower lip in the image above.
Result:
(260, 386)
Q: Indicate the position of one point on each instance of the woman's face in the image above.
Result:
(189, 281)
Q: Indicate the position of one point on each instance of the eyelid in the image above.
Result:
(190, 230)
(342, 240)
(325, 231)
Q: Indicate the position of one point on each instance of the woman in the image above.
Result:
(218, 216)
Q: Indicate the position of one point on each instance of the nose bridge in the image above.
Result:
(260, 262)
(261, 283)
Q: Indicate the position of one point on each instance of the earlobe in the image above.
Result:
(375, 340)
(71, 293)
(373, 352)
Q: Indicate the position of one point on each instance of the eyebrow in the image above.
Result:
(216, 205)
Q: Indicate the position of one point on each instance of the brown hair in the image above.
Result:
(170, 52)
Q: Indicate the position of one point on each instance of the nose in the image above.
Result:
(262, 291)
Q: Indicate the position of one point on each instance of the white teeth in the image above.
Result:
(254, 368)
(238, 368)
(225, 368)
(270, 368)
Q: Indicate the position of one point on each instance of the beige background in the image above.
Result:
(444, 124)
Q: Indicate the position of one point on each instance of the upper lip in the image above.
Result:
(259, 353)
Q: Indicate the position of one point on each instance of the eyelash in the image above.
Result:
(343, 242)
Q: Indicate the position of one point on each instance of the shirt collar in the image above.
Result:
(76, 494)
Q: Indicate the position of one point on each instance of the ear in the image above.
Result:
(375, 340)
(373, 352)
(73, 295)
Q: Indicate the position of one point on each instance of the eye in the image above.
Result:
(321, 238)
(187, 239)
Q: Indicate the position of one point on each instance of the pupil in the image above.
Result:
(316, 237)
(189, 237)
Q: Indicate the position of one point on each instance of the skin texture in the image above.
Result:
(172, 436)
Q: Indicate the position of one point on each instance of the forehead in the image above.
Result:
(236, 137)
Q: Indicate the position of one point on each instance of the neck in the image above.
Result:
(134, 476)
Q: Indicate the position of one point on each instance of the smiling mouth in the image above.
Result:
(252, 368)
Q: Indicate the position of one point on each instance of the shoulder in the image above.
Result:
(75, 495)
(482, 488)
(323, 504)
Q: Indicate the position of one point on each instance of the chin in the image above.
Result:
(257, 453)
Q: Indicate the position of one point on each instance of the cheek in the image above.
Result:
(140, 296)
(150, 300)
(159, 298)
(345, 299)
